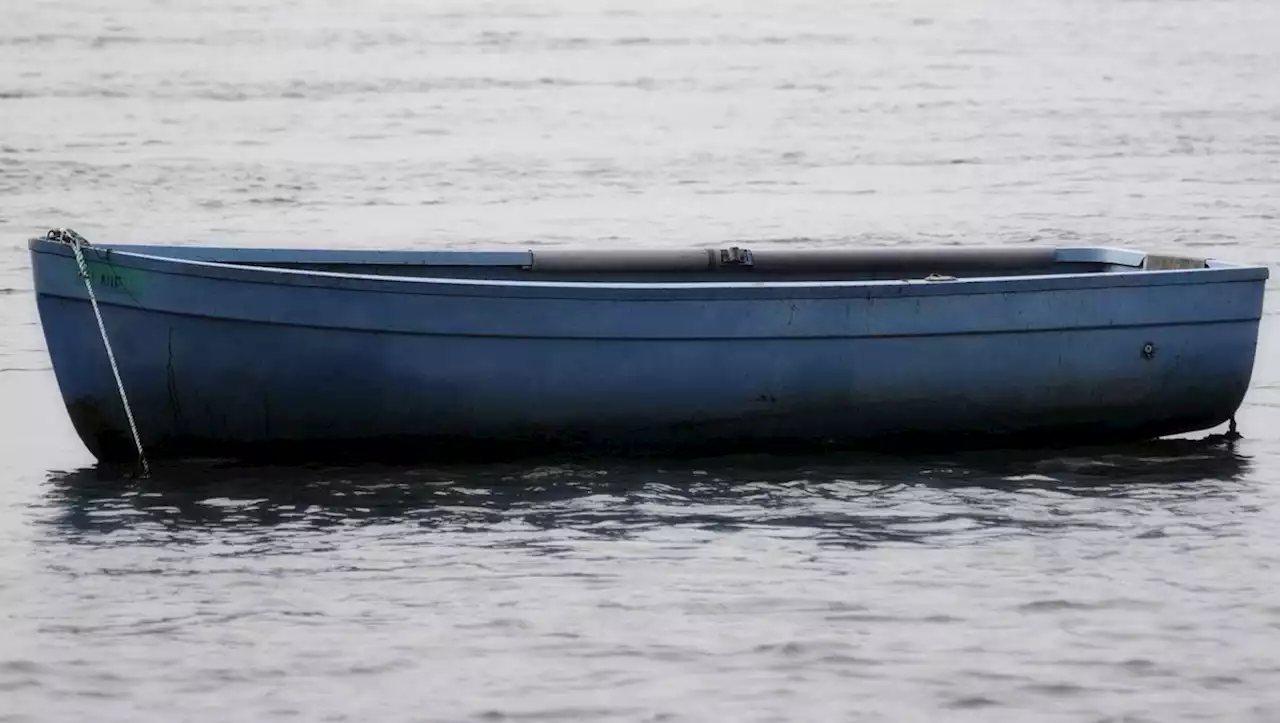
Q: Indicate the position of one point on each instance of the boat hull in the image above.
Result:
(224, 361)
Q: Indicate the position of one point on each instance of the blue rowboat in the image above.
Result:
(236, 352)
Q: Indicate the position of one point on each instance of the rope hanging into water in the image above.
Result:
(77, 242)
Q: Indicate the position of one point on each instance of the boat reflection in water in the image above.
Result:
(843, 499)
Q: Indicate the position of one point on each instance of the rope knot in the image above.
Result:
(66, 236)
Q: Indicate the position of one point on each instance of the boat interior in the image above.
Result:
(675, 265)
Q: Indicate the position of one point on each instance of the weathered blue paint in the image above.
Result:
(239, 351)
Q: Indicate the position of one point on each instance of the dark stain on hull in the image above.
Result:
(175, 407)
(102, 438)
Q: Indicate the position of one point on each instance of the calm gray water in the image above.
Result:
(1120, 584)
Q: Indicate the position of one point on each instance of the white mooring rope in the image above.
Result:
(75, 241)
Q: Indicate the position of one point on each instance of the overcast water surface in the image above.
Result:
(1134, 583)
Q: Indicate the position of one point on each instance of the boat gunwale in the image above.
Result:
(652, 338)
(1215, 271)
